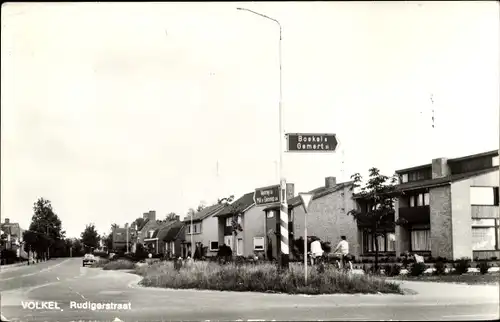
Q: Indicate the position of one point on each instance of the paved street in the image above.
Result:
(65, 280)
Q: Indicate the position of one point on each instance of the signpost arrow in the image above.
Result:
(306, 198)
(311, 142)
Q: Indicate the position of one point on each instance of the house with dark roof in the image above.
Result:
(202, 230)
(174, 239)
(450, 208)
(242, 227)
(155, 243)
(327, 216)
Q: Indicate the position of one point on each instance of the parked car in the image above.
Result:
(89, 259)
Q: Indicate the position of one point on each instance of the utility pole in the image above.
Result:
(48, 242)
(126, 227)
(283, 213)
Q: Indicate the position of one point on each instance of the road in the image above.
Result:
(64, 280)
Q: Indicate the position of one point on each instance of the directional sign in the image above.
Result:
(311, 142)
(267, 195)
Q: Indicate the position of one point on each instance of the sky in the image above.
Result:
(110, 110)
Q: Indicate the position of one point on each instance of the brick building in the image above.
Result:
(451, 207)
(327, 215)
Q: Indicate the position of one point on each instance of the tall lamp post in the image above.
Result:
(285, 250)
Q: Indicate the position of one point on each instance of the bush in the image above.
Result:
(417, 269)
(119, 264)
(101, 262)
(261, 278)
(439, 268)
(461, 266)
(494, 258)
(483, 267)
(8, 256)
(392, 270)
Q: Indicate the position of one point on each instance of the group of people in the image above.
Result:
(341, 251)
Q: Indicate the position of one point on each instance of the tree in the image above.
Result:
(114, 226)
(90, 238)
(171, 217)
(45, 228)
(108, 241)
(201, 206)
(139, 222)
(225, 200)
(379, 194)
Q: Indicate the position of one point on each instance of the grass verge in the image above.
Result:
(261, 278)
(471, 279)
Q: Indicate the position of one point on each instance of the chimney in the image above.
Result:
(152, 215)
(145, 215)
(290, 191)
(440, 168)
(7, 220)
(330, 182)
(177, 218)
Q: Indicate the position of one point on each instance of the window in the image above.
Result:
(258, 243)
(426, 199)
(484, 196)
(404, 178)
(229, 221)
(214, 246)
(195, 227)
(420, 240)
(385, 242)
(483, 238)
(419, 200)
(172, 247)
(483, 234)
(391, 242)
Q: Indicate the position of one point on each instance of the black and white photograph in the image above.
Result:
(250, 161)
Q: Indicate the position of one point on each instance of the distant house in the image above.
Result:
(203, 228)
(174, 238)
(251, 218)
(13, 237)
(148, 227)
(119, 239)
(155, 243)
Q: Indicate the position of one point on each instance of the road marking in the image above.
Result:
(58, 278)
(117, 320)
(83, 297)
(255, 320)
(31, 274)
(3, 318)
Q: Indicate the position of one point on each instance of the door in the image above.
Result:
(239, 247)
(228, 240)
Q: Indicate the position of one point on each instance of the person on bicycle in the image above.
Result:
(316, 250)
(343, 250)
